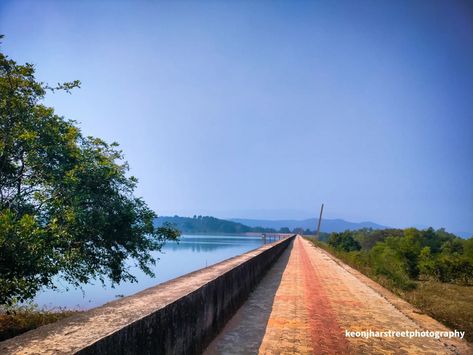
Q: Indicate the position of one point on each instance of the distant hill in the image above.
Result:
(206, 224)
(212, 225)
(328, 225)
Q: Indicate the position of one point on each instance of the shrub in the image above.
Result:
(343, 241)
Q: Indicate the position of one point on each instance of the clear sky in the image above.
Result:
(266, 109)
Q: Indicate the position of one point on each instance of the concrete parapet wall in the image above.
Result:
(180, 316)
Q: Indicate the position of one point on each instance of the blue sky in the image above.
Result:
(267, 109)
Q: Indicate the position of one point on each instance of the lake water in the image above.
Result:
(191, 253)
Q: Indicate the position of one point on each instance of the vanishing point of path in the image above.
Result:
(309, 299)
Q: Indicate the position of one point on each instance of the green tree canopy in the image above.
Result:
(344, 241)
(66, 203)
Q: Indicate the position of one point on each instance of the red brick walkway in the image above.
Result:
(326, 334)
(308, 300)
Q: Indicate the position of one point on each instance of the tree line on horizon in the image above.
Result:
(213, 225)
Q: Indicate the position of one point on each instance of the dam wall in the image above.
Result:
(180, 316)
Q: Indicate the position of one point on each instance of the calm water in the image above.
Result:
(191, 253)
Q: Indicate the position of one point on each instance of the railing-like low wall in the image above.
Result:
(180, 316)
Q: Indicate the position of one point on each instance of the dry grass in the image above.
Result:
(18, 320)
(450, 304)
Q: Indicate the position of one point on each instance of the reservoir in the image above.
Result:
(191, 253)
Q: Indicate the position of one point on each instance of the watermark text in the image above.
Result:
(437, 334)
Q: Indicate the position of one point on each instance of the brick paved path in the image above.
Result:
(309, 299)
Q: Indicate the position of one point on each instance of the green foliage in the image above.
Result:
(368, 237)
(211, 225)
(468, 248)
(426, 261)
(449, 268)
(387, 259)
(404, 256)
(452, 246)
(343, 241)
(66, 204)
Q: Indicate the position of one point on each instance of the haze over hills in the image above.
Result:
(207, 224)
(328, 225)
(213, 225)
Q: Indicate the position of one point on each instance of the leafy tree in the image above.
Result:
(409, 248)
(452, 246)
(426, 261)
(387, 261)
(368, 237)
(66, 204)
(284, 230)
(468, 249)
(436, 238)
(452, 268)
(344, 241)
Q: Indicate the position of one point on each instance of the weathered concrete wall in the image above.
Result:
(180, 316)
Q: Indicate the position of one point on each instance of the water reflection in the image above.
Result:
(189, 254)
(207, 244)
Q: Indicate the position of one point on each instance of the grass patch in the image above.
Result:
(450, 304)
(20, 319)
